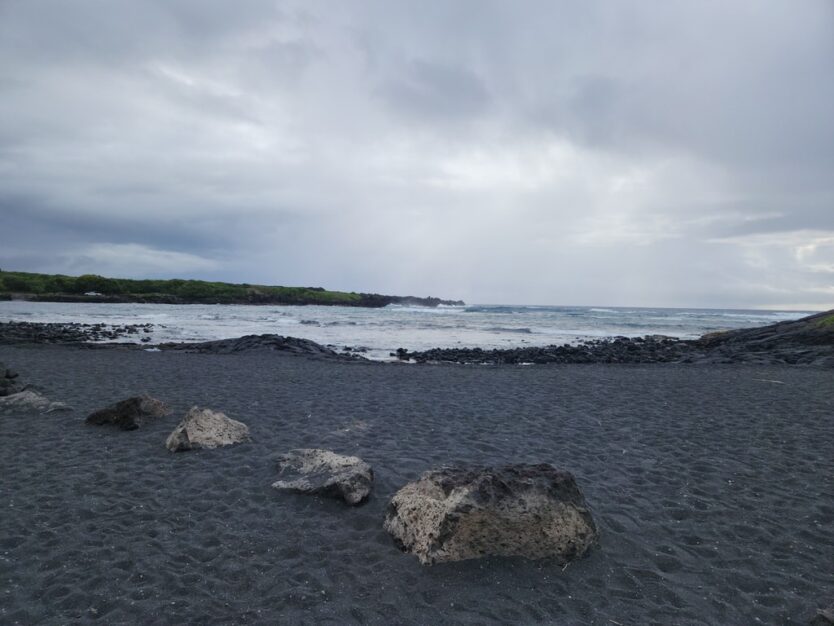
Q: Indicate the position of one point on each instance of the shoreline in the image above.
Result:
(808, 341)
(379, 333)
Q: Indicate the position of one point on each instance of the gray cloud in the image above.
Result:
(626, 153)
(432, 91)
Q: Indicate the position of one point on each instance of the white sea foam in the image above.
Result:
(769, 316)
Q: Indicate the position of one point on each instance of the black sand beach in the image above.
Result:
(712, 485)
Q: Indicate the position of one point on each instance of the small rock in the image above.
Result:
(204, 428)
(322, 472)
(29, 400)
(453, 513)
(127, 413)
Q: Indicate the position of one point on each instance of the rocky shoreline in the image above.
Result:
(70, 332)
(617, 350)
(104, 336)
(808, 341)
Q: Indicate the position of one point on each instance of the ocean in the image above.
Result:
(382, 331)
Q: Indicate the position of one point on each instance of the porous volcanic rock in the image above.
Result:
(126, 414)
(457, 513)
(28, 400)
(322, 472)
(204, 428)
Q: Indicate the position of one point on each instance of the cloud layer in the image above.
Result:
(630, 153)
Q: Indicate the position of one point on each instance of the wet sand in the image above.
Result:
(713, 487)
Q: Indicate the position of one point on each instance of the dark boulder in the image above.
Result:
(127, 414)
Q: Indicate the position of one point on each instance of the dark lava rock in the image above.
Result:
(64, 333)
(249, 343)
(126, 414)
(808, 341)
(655, 349)
(325, 473)
(454, 513)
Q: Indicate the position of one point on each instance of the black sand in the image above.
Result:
(713, 487)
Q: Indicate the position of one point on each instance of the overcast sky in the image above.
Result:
(601, 153)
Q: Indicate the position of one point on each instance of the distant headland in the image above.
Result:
(94, 288)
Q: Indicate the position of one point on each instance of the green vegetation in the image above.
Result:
(828, 320)
(94, 288)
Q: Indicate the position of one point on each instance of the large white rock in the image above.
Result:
(204, 428)
(452, 514)
(30, 401)
(322, 472)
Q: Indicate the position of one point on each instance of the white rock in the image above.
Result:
(452, 514)
(204, 428)
(322, 472)
(29, 400)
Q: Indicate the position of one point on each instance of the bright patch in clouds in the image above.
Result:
(132, 260)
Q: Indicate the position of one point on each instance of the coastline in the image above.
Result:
(808, 341)
(364, 300)
(377, 333)
(91, 288)
(710, 485)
